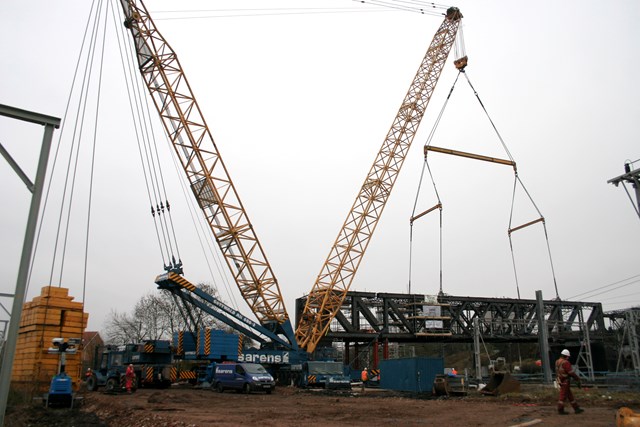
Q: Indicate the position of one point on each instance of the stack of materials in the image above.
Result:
(51, 315)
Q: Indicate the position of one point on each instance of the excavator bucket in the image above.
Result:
(445, 385)
(501, 383)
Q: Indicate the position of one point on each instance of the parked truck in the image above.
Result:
(151, 360)
(324, 374)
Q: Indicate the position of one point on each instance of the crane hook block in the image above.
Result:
(461, 63)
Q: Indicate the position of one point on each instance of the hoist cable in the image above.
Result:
(410, 256)
(161, 182)
(408, 6)
(157, 181)
(391, 5)
(422, 3)
(435, 188)
(155, 170)
(459, 48)
(80, 139)
(553, 271)
(57, 151)
(80, 114)
(413, 212)
(440, 212)
(245, 15)
(92, 171)
(126, 66)
(489, 117)
(518, 180)
(134, 94)
(544, 226)
(528, 195)
(84, 86)
(142, 115)
(446, 102)
(513, 259)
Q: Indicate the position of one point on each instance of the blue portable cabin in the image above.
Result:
(414, 374)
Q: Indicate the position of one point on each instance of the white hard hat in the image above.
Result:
(565, 352)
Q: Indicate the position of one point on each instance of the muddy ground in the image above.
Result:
(288, 406)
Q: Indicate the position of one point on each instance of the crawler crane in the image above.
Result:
(227, 218)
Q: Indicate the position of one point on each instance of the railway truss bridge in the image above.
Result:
(373, 319)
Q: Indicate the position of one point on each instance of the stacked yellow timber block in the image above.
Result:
(51, 315)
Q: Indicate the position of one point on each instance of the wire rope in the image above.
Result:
(58, 145)
(224, 13)
(130, 86)
(393, 5)
(513, 259)
(154, 162)
(91, 177)
(81, 110)
(518, 180)
(143, 117)
(424, 8)
(435, 188)
(154, 181)
(84, 89)
(155, 176)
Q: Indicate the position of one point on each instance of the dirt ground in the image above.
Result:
(288, 406)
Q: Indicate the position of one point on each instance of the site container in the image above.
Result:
(411, 374)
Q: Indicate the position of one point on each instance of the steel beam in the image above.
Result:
(49, 124)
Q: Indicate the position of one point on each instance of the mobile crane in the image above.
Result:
(216, 195)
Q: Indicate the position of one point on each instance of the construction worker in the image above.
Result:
(129, 376)
(564, 373)
(364, 376)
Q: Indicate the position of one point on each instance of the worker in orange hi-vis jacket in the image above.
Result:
(564, 373)
(364, 376)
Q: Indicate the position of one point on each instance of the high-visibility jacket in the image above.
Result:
(564, 370)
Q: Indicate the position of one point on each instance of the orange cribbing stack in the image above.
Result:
(51, 315)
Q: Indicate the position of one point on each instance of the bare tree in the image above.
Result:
(157, 315)
(122, 328)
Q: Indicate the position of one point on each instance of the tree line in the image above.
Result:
(156, 316)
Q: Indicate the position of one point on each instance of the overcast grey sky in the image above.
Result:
(299, 102)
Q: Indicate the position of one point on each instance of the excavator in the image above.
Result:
(220, 203)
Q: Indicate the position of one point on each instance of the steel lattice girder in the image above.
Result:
(365, 316)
